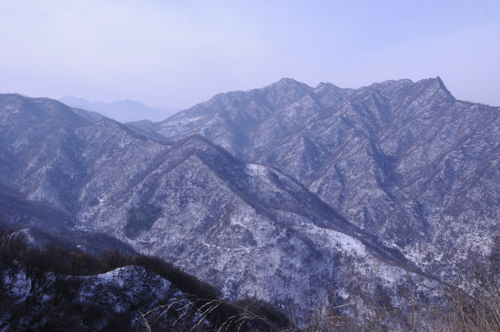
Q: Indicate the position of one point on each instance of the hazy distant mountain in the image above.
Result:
(123, 111)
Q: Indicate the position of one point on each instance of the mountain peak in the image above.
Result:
(436, 84)
(326, 84)
(290, 83)
(40, 107)
(123, 110)
(441, 84)
(288, 80)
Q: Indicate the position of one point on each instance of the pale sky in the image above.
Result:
(179, 53)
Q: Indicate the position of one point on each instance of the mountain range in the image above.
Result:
(122, 111)
(307, 198)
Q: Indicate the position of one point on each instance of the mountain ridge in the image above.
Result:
(315, 137)
(250, 189)
(123, 110)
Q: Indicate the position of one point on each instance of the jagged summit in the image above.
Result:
(438, 84)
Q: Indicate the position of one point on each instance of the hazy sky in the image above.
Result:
(178, 53)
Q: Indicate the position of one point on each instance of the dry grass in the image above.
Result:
(472, 307)
(477, 310)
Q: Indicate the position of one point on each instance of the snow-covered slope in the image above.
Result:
(392, 185)
(403, 160)
(123, 299)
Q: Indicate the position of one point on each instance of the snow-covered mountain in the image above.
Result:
(285, 194)
(404, 160)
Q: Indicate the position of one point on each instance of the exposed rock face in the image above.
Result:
(376, 184)
(112, 301)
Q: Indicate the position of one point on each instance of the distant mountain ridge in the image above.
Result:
(123, 110)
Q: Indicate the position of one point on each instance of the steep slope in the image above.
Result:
(89, 115)
(246, 228)
(40, 225)
(39, 153)
(405, 161)
(19, 212)
(228, 119)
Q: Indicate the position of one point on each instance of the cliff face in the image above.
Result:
(285, 193)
